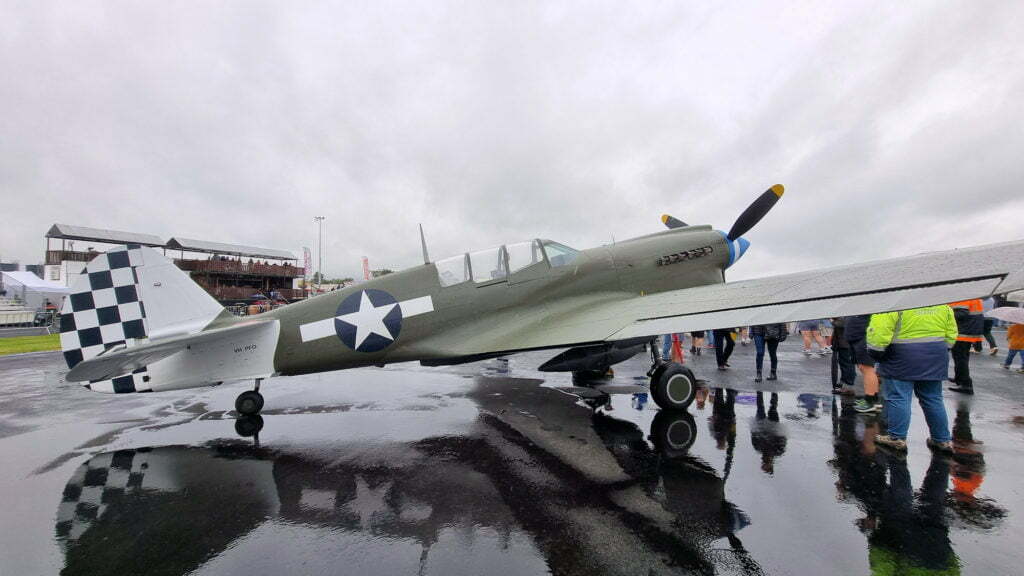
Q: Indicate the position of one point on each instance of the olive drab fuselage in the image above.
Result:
(667, 260)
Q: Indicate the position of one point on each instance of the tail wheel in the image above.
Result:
(249, 402)
(673, 386)
(673, 432)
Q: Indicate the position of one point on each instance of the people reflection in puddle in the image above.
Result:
(767, 434)
(908, 533)
(639, 400)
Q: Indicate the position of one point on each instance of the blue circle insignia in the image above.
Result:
(368, 320)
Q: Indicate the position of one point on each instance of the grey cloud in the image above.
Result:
(895, 129)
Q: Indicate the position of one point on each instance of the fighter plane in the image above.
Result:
(136, 323)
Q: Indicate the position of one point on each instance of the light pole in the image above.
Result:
(319, 249)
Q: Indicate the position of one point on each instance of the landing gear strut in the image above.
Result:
(250, 402)
(673, 385)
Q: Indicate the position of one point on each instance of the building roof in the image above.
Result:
(190, 245)
(67, 232)
(33, 282)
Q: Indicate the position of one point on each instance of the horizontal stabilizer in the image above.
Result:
(119, 361)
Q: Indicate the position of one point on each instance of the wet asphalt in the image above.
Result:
(495, 468)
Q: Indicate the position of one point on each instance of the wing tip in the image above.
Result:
(779, 190)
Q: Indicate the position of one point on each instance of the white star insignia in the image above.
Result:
(369, 319)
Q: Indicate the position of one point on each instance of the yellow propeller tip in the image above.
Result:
(664, 218)
(779, 190)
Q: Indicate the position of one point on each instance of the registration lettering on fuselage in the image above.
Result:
(684, 256)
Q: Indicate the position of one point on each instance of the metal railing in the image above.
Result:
(55, 257)
(236, 267)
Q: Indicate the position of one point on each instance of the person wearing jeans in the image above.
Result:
(899, 394)
(767, 336)
(911, 349)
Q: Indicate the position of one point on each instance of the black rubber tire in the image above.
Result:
(673, 432)
(249, 402)
(249, 426)
(673, 386)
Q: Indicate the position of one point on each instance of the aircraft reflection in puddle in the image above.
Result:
(908, 532)
(178, 507)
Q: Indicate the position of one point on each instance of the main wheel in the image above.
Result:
(248, 426)
(673, 386)
(249, 402)
(673, 432)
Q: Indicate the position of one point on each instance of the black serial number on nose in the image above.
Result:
(247, 348)
(684, 256)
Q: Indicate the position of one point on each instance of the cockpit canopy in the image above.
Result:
(498, 263)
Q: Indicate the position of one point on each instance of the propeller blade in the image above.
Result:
(672, 221)
(757, 209)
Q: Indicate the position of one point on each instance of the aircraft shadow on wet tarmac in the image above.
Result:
(169, 509)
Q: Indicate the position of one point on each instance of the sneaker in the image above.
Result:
(826, 350)
(1020, 370)
(758, 377)
(773, 376)
(864, 406)
(964, 389)
(993, 352)
(1006, 366)
(936, 446)
(723, 368)
(837, 389)
(898, 444)
(807, 351)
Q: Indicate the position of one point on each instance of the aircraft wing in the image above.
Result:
(880, 286)
(119, 361)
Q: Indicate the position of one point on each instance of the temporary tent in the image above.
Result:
(32, 290)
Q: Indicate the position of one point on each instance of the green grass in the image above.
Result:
(21, 344)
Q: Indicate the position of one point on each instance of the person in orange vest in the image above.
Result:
(970, 324)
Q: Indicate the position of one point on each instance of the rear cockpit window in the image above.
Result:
(454, 270)
(488, 265)
(560, 254)
(522, 255)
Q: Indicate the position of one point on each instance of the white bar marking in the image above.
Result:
(317, 330)
(417, 306)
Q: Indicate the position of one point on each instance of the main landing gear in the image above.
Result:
(673, 386)
(250, 402)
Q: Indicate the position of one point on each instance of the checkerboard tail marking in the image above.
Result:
(104, 311)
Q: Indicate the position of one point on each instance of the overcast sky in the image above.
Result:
(896, 127)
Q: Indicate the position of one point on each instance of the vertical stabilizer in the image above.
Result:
(127, 295)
